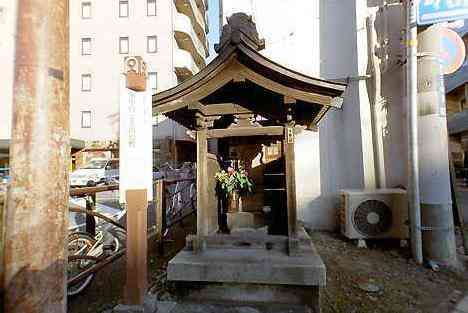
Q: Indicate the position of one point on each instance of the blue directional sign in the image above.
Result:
(437, 11)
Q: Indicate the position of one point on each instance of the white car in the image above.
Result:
(97, 171)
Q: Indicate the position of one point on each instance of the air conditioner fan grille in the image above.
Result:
(372, 218)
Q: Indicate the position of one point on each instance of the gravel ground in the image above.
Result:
(383, 279)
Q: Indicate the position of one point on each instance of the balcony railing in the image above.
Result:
(190, 9)
(188, 40)
(184, 64)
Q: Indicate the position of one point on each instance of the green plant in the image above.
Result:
(234, 180)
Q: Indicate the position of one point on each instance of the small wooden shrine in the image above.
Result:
(244, 106)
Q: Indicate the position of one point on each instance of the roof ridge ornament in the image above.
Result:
(240, 27)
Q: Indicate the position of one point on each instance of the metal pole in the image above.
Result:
(412, 122)
(436, 202)
(37, 208)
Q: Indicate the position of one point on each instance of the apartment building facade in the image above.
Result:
(170, 35)
(7, 52)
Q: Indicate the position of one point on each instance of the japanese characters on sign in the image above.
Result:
(437, 11)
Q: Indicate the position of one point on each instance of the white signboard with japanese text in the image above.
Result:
(136, 141)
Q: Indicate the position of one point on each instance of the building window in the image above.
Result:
(86, 82)
(153, 81)
(151, 44)
(151, 7)
(123, 8)
(85, 10)
(123, 45)
(85, 46)
(85, 119)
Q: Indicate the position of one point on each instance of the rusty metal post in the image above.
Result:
(136, 284)
(37, 202)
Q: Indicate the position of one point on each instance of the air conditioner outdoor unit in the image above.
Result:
(380, 213)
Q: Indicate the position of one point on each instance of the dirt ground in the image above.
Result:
(403, 286)
(400, 285)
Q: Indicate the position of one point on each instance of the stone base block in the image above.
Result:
(250, 257)
(207, 307)
(124, 308)
(149, 306)
(240, 220)
(250, 267)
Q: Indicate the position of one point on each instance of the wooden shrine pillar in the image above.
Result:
(202, 171)
(203, 123)
(289, 158)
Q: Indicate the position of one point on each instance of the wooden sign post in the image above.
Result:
(135, 175)
(136, 283)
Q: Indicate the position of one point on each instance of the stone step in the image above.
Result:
(253, 239)
(187, 307)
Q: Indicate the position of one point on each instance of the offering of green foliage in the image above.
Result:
(234, 180)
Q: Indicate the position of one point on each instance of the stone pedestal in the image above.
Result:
(250, 267)
(240, 220)
(149, 306)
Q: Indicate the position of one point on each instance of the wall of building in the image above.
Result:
(7, 55)
(106, 63)
(331, 39)
(364, 144)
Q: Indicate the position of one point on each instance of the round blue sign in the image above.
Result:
(453, 51)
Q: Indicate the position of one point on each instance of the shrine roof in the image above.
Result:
(240, 77)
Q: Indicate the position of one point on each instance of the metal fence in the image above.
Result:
(174, 201)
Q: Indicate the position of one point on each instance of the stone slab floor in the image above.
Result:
(171, 307)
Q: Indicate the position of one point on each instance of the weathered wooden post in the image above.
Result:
(202, 173)
(37, 204)
(2, 239)
(159, 205)
(136, 283)
(135, 175)
(290, 165)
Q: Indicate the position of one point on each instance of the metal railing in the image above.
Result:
(95, 263)
(175, 201)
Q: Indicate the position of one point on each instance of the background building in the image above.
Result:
(361, 146)
(456, 87)
(7, 52)
(171, 36)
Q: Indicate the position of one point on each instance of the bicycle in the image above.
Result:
(85, 251)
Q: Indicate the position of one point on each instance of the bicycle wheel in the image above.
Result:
(79, 244)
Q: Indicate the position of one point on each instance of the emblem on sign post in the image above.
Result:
(136, 72)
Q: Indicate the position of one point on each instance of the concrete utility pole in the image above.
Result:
(412, 121)
(436, 202)
(37, 208)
